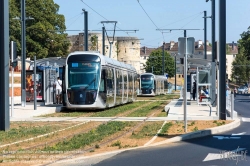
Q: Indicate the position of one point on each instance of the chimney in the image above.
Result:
(233, 45)
(144, 49)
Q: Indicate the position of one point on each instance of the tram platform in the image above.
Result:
(176, 112)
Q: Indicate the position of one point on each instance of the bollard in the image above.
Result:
(232, 106)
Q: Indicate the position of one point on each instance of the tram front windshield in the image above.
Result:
(83, 75)
(147, 81)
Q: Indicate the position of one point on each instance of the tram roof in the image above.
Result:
(60, 61)
(106, 60)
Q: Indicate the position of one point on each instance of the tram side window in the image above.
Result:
(110, 79)
(102, 83)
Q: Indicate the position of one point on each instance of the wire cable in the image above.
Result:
(102, 16)
(183, 19)
(151, 19)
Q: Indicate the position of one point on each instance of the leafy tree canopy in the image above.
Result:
(155, 62)
(44, 33)
(244, 44)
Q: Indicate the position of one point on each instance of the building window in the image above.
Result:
(199, 52)
(145, 57)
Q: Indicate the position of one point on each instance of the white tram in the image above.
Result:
(152, 85)
(94, 81)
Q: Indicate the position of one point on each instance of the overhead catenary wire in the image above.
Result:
(150, 19)
(102, 16)
(181, 27)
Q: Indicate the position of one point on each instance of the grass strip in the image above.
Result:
(27, 130)
(142, 112)
(68, 113)
(165, 129)
(167, 97)
(96, 135)
(117, 110)
(148, 130)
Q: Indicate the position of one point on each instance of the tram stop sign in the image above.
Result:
(184, 42)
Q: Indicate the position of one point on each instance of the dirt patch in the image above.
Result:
(175, 130)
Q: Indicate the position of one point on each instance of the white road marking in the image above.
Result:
(222, 137)
(245, 119)
(225, 155)
(243, 133)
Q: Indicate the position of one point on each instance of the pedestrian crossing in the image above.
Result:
(245, 119)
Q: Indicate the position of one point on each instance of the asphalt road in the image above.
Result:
(229, 148)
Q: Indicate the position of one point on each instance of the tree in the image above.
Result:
(94, 42)
(239, 68)
(155, 62)
(244, 44)
(44, 34)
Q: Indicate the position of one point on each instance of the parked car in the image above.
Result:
(242, 90)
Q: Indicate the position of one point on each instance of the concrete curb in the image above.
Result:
(201, 133)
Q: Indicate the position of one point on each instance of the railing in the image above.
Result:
(230, 104)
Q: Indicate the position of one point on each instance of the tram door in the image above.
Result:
(103, 84)
(63, 87)
(110, 87)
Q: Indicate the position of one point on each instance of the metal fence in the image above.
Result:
(230, 104)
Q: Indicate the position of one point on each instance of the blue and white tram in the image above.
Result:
(94, 81)
(152, 85)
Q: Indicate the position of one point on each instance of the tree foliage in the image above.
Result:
(44, 33)
(155, 61)
(244, 44)
(240, 70)
(241, 64)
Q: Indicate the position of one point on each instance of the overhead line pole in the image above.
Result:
(213, 93)
(85, 30)
(23, 36)
(222, 58)
(4, 66)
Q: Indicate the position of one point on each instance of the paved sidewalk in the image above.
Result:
(28, 112)
(194, 111)
(176, 112)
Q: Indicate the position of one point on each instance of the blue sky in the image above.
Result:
(164, 14)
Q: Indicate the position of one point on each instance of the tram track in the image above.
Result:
(85, 150)
(81, 132)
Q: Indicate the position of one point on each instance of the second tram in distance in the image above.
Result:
(94, 81)
(152, 85)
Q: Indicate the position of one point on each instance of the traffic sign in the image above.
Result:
(184, 42)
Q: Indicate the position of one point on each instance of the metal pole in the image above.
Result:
(185, 86)
(4, 66)
(213, 54)
(110, 50)
(152, 69)
(34, 82)
(213, 31)
(86, 30)
(232, 106)
(12, 78)
(163, 59)
(222, 55)
(175, 73)
(205, 34)
(23, 75)
(103, 40)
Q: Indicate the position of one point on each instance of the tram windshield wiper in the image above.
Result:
(86, 87)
